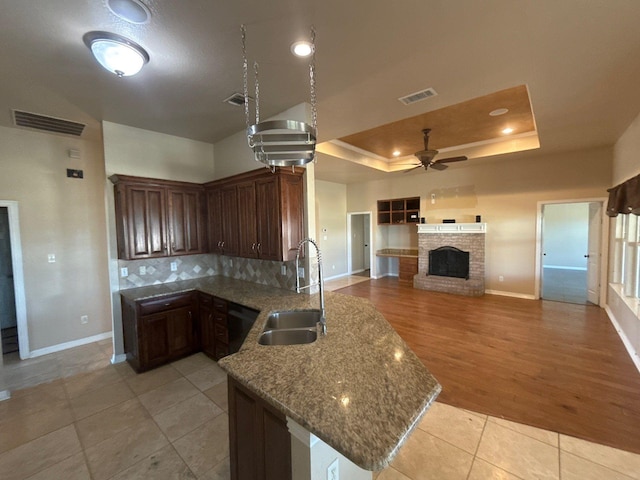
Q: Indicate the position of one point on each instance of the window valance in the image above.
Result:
(625, 198)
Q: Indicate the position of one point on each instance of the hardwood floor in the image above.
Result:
(553, 365)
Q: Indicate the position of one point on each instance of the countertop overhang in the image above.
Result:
(360, 389)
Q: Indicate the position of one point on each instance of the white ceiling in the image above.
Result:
(579, 59)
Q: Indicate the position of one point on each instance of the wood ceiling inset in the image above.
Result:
(460, 124)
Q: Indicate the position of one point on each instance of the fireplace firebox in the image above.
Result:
(449, 262)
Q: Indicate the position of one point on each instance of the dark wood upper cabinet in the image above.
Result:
(258, 214)
(267, 218)
(158, 218)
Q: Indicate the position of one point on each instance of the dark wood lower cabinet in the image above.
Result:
(259, 440)
(160, 330)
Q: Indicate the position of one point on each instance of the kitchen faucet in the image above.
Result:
(320, 283)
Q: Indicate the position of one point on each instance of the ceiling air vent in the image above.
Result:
(236, 99)
(48, 124)
(417, 96)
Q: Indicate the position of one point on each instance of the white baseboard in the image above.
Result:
(67, 345)
(5, 395)
(511, 294)
(335, 277)
(119, 358)
(561, 267)
(623, 336)
(385, 275)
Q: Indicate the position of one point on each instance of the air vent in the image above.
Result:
(417, 96)
(236, 99)
(48, 124)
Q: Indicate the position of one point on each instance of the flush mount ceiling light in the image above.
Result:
(302, 49)
(132, 11)
(116, 53)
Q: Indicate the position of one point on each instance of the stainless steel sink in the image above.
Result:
(293, 319)
(296, 336)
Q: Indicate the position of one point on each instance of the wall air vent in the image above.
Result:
(48, 124)
(236, 99)
(417, 96)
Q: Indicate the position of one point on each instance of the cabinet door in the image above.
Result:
(214, 217)
(247, 220)
(146, 222)
(207, 339)
(229, 212)
(268, 223)
(185, 222)
(259, 441)
(154, 341)
(182, 332)
(291, 218)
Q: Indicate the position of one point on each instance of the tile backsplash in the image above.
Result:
(154, 271)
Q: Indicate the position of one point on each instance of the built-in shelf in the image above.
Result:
(399, 211)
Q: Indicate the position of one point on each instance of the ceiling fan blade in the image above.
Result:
(438, 166)
(412, 169)
(452, 159)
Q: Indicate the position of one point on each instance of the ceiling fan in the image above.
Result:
(426, 156)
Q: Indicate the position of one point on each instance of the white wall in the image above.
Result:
(565, 235)
(504, 190)
(331, 225)
(61, 216)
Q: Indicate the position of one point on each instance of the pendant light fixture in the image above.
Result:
(116, 53)
(280, 143)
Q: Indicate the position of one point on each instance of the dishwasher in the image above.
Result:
(240, 319)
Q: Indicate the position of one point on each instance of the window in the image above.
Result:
(626, 251)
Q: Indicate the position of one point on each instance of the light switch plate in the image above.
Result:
(51, 258)
(124, 272)
(174, 266)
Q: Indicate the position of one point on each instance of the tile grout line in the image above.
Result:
(475, 453)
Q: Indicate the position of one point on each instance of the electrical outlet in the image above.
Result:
(433, 198)
(332, 471)
(51, 258)
(174, 266)
(501, 278)
(84, 319)
(301, 272)
(124, 272)
(142, 270)
(283, 269)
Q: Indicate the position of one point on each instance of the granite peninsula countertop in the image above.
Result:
(360, 389)
(398, 252)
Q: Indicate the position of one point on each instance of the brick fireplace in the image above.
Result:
(468, 237)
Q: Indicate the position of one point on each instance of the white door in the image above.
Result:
(367, 241)
(593, 253)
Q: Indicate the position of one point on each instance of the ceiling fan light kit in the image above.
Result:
(280, 143)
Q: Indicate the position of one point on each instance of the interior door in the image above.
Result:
(593, 254)
(367, 241)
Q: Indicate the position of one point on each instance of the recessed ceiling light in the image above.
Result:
(498, 111)
(507, 130)
(116, 53)
(302, 49)
(396, 153)
(132, 11)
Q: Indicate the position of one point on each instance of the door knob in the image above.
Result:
(586, 256)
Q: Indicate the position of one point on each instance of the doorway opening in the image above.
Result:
(359, 244)
(13, 316)
(570, 246)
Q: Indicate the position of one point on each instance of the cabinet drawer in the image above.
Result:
(220, 319)
(222, 350)
(148, 307)
(221, 333)
(206, 300)
(220, 305)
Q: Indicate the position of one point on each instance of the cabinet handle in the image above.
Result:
(190, 316)
(253, 246)
(259, 246)
(167, 304)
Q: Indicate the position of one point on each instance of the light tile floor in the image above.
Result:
(337, 283)
(171, 423)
